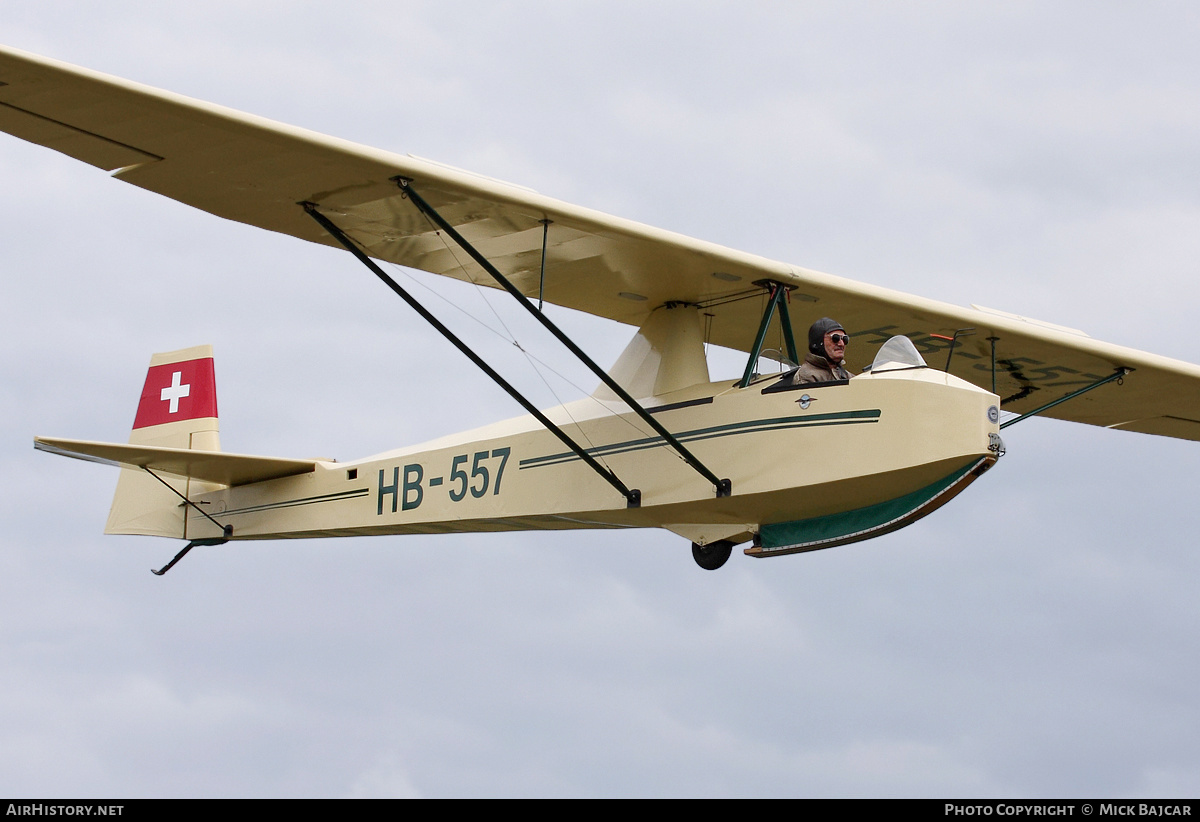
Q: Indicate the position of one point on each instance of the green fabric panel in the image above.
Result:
(835, 526)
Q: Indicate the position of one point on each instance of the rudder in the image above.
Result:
(177, 409)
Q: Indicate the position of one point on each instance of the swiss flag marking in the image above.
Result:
(174, 392)
(177, 391)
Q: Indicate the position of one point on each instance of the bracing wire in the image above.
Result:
(509, 337)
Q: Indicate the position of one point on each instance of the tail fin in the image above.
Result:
(178, 409)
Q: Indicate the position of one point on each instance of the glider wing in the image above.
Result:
(257, 171)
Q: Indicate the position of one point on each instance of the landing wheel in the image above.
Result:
(712, 556)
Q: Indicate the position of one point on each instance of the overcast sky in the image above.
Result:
(1038, 637)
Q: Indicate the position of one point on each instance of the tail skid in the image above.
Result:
(190, 546)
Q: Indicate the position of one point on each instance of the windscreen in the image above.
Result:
(897, 354)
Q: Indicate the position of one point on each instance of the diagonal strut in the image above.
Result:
(722, 486)
(633, 497)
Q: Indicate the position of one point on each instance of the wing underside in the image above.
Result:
(256, 171)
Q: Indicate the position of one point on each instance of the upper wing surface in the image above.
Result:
(257, 171)
(210, 466)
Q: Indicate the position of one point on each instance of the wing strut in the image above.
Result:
(542, 277)
(633, 497)
(1116, 375)
(723, 486)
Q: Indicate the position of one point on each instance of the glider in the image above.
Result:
(781, 466)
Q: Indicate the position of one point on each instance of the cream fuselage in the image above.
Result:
(790, 454)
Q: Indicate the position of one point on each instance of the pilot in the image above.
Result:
(826, 356)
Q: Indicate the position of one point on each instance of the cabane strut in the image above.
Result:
(778, 300)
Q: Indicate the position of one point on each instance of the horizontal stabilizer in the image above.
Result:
(210, 466)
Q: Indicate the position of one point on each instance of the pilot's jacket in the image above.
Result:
(819, 369)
